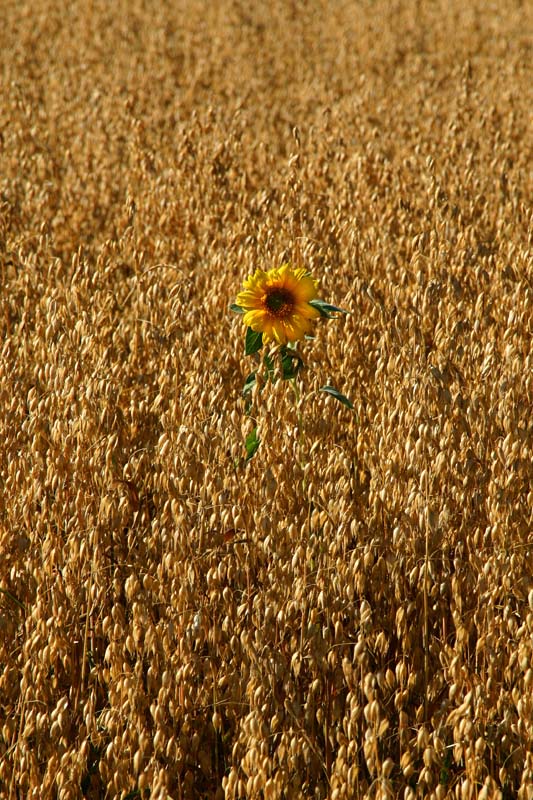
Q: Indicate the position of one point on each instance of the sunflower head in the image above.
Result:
(276, 303)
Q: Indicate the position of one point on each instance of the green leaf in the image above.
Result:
(254, 341)
(249, 383)
(337, 395)
(236, 309)
(327, 309)
(251, 443)
(291, 363)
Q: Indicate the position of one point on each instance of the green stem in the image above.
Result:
(13, 598)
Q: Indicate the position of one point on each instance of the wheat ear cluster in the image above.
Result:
(349, 613)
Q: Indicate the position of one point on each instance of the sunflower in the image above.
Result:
(276, 303)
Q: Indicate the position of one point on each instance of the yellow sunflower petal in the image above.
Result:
(249, 299)
(267, 331)
(307, 289)
(307, 311)
(277, 303)
(256, 280)
(296, 329)
(278, 332)
(254, 319)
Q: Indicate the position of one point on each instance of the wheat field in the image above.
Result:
(349, 612)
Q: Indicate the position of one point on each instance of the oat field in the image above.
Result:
(349, 612)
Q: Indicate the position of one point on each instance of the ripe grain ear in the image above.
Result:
(349, 613)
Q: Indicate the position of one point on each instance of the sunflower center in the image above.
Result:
(279, 302)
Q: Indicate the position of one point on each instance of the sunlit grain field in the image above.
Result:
(348, 613)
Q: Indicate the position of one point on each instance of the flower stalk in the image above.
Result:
(279, 308)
